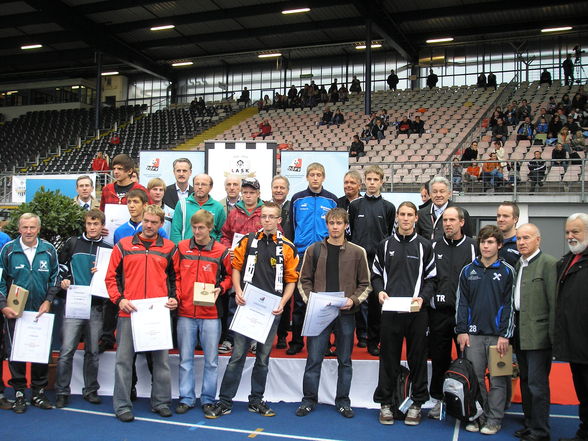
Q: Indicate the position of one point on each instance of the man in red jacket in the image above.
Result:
(200, 259)
(132, 258)
(116, 192)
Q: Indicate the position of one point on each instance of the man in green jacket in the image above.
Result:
(199, 200)
(534, 304)
(32, 264)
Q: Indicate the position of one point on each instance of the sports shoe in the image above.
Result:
(61, 401)
(226, 347)
(5, 404)
(413, 416)
(93, 398)
(472, 427)
(293, 349)
(163, 411)
(206, 409)
(346, 411)
(20, 404)
(435, 412)
(217, 410)
(303, 410)
(490, 429)
(362, 343)
(182, 408)
(41, 401)
(261, 408)
(126, 417)
(253, 348)
(386, 415)
(281, 343)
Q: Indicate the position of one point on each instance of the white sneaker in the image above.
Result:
(472, 427)
(413, 416)
(435, 412)
(225, 348)
(490, 429)
(386, 415)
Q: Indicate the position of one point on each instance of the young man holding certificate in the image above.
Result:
(267, 261)
(77, 258)
(337, 266)
(203, 269)
(403, 269)
(30, 263)
(141, 267)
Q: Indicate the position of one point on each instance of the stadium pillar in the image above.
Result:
(368, 67)
(98, 89)
(414, 73)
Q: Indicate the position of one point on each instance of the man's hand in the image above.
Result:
(347, 305)
(239, 297)
(9, 313)
(463, 340)
(216, 292)
(382, 296)
(45, 307)
(93, 270)
(65, 284)
(172, 303)
(278, 310)
(104, 232)
(502, 346)
(126, 306)
(418, 301)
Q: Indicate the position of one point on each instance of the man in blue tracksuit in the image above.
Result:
(485, 317)
(31, 263)
(308, 209)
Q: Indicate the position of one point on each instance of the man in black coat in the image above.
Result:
(181, 188)
(392, 80)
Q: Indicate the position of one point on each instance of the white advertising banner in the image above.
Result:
(159, 164)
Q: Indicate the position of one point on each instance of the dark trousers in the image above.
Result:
(298, 313)
(361, 318)
(285, 320)
(441, 337)
(580, 377)
(394, 329)
(109, 326)
(374, 318)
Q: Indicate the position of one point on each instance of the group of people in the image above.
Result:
(379, 123)
(494, 290)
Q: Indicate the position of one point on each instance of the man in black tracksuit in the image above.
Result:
(371, 219)
(452, 252)
(404, 266)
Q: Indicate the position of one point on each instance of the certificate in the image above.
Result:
(32, 338)
(78, 302)
(116, 215)
(236, 238)
(400, 304)
(98, 285)
(255, 318)
(321, 310)
(151, 325)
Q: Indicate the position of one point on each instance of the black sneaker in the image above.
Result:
(5, 404)
(362, 343)
(207, 410)
(261, 408)
(20, 404)
(182, 408)
(93, 398)
(126, 417)
(41, 401)
(218, 409)
(294, 349)
(303, 410)
(163, 411)
(281, 343)
(62, 401)
(346, 411)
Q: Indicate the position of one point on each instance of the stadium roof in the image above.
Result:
(228, 32)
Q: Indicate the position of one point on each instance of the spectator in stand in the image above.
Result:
(392, 80)
(568, 68)
(565, 139)
(378, 130)
(470, 153)
(492, 80)
(265, 103)
(100, 163)
(417, 126)
(572, 125)
(499, 150)
(327, 117)
(552, 105)
(404, 126)
(565, 103)
(244, 98)
(456, 174)
(536, 170)
(510, 116)
(579, 101)
(554, 127)
(355, 85)
(357, 148)
(542, 127)
(472, 173)
(481, 80)
(500, 132)
(578, 142)
(265, 129)
(338, 118)
(292, 95)
(343, 93)
(545, 77)
(323, 94)
(524, 110)
(366, 133)
(526, 131)
(385, 118)
(559, 158)
(543, 113)
(432, 79)
(496, 115)
(334, 92)
(492, 172)
(312, 95)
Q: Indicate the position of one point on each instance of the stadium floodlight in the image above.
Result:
(31, 46)
(105, 74)
(270, 55)
(162, 27)
(440, 40)
(295, 11)
(375, 45)
(562, 28)
(182, 63)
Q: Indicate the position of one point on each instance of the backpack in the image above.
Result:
(402, 390)
(461, 392)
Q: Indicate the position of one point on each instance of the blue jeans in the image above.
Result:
(232, 377)
(344, 326)
(207, 331)
(72, 332)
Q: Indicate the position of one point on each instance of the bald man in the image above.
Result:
(534, 304)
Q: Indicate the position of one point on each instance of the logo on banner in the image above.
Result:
(154, 166)
(241, 166)
(296, 165)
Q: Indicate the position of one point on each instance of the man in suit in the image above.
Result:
(181, 189)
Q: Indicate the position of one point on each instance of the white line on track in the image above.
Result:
(573, 417)
(201, 426)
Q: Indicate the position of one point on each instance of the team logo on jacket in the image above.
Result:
(207, 267)
(497, 276)
(43, 265)
(154, 165)
(296, 165)
(439, 256)
(391, 253)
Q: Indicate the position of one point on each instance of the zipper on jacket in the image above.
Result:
(197, 273)
(146, 261)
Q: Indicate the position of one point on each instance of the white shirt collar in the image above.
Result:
(525, 261)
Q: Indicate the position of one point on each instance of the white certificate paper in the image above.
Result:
(116, 215)
(151, 325)
(32, 338)
(255, 318)
(397, 304)
(236, 238)
(98, 285)
(78, 302)
(321, 310)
